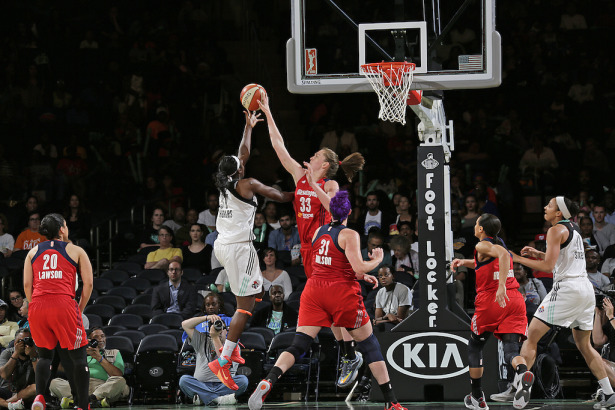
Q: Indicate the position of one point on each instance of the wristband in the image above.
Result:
(610, 320)
(101, 359)
(13, 358)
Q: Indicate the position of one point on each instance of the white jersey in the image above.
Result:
(235, 218)
(571, 260)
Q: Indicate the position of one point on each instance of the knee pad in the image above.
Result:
(475, 350)
(301, 344)
(370, 349)
(511, 347)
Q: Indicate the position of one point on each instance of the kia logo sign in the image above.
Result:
(433, 355)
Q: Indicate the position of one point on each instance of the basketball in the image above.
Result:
(250, 95)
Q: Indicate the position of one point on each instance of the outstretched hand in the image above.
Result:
(263, 104)
(252, 118)
(309, 174)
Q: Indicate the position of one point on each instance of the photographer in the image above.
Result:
(205, 387)
(603, 333)
(17, 366)
(107, 383)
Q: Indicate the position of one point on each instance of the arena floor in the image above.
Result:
(545, 404)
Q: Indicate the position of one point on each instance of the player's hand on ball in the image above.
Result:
(252, 118)
(263, 104)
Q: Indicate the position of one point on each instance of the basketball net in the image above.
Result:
(391, 81)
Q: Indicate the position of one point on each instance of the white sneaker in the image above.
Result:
(506, 396)
(196, 400)
(524, 390)
(255, 402)
(17, 405)
(473, 404)
(226, 400)
(598, 396)
(605, 404)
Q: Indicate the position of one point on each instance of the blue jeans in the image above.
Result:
(210, 390)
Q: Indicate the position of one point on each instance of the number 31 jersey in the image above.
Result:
(329, 261)
(310, 212)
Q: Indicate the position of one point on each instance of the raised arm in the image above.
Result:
(324, 195)
(292, 166)
(349, 241)
(246, 141)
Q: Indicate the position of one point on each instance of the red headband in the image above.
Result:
(340, 162)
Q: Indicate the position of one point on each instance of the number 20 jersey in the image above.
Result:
(310, 212)
(53, 271)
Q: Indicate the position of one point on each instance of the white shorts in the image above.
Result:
(242, 267)
(570, 303)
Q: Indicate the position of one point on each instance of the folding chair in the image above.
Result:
(151, 329)
(139, 284)
(128, 320)
(112, 329)
(145, 299)
(115, 275)
(170, 320)
(154, 276)
(102, 285)
(191, 274)
(126, 292)
(135, 336)
(253, 351)
(94, 319)
(105, 312)
(140, 309)
(267, 334)
(116, 302)
(132, 268)
(155, 366)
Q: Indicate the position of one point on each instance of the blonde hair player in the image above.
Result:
(571, 301)
(313, 192)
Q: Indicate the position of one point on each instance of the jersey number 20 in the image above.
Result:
(50, 261)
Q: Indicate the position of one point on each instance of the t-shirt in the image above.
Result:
(28, 239)
(113, 356)
(389, 301)
(204, 349)
(167, 253)
(598, 279)
(207, 219)
(372, 221)
(533, 291)
(7, 242)
(282, 280)
(22, 376)
(275, 323)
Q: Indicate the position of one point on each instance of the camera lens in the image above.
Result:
(218, 325)
(93, 343)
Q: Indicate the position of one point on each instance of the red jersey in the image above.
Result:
(488, 274)
(310, 212)
(329, 261)
(53, 271)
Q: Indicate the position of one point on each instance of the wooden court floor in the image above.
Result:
(340, 405)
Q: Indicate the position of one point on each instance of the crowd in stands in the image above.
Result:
(103, 108)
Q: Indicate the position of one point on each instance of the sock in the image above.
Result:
(274, 375)
(349, 347)
(227, 351)
(342, 346)
(389, 395)
(522, 368)
(477, 389)
(604, 384)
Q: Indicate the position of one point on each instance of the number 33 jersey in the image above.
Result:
(310, 212)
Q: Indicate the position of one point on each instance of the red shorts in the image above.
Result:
(306, 254)
(56, 319)
(490, 317)
(325, 303)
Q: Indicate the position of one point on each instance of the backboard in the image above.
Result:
(454, 43)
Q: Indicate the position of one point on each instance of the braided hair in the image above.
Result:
(228, 173)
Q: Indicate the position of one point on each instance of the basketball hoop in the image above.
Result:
(391, 81)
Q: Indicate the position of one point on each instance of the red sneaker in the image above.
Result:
(396, 406)
(235, 355)
(39, 403)
(223, 373)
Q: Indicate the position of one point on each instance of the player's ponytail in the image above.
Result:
(50, 226)
(228, 172)
(350, 165)
(491, 225)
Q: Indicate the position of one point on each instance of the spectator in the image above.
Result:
(221, 282)
(374, 217)
(29, 238)
(271, 214)
(197, 254)
(7, 326)
(287, 236)
(107, 382)
(205, 387)
(208, 216)
(17, 387)
(592, 261)
(78, 222)
(604, 333)
(393, 300)
(470, 212)
(150, 234)
(402, 260)
(586, 227)
(179, 219)
(166, 253)
(23, 312)
(17, 300)
(175, 296)
(571, 19)
(7, 242)
(277, 317)
(463, 239)
(532, 289)
(22, 215)
(540, 244)
(403, 214)
(262, 231)
(182, 235)
(539, 162)
(603, 232)
(375, 239)
(274, 276)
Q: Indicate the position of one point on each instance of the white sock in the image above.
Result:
(228, 348)
(606, 386)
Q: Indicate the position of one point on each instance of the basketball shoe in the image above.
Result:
(349, 371)
(524, 390)
(222, 372)
(255, 402)
(39, 403)
(472, 403)
(236, 355)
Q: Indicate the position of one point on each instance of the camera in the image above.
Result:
(28, 341)
(604, 294)
(219, 325)
(93, 343)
